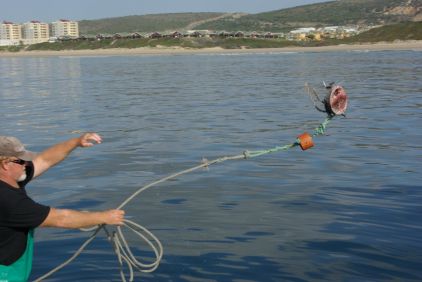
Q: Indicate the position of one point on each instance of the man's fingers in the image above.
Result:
(89, 139)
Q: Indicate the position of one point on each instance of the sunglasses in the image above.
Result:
(19, 162)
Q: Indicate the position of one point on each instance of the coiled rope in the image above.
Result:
(118, 240)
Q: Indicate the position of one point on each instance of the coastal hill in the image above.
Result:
(341, 12)
(146, 23)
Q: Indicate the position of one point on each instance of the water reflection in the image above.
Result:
(39, 90)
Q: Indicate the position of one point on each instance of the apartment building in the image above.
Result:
(35, 32)
(65, 28)
(10, 33)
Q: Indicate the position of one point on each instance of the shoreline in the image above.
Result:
(381, 46)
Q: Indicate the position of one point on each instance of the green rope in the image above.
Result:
(320, 130)
(252, 154)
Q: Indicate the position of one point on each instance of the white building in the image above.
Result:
(10, 34)
(65, 28)
(35, 32)
(303, 30)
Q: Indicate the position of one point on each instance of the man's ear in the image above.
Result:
(4, 164)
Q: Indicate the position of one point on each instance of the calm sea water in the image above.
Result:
(349, 209)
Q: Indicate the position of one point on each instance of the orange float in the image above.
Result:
(305, 141)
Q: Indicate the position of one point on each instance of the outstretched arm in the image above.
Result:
(59, 152)
(64, 218)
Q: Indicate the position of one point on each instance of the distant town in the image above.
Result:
(33, 32)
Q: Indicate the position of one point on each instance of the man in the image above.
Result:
(19, 214)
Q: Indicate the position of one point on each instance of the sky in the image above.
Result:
(19, 11)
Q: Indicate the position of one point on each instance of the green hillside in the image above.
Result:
(340, 12)
(145, 23)
(401, 31)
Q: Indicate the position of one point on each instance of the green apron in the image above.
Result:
(19, 271)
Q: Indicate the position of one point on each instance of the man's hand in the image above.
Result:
(114, 217)
(89, 139)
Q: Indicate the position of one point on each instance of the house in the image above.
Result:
(117, 36)
(155, 35)
(100, 37)
(176, 34)
(135, 35)
(268, 35)
(224, 34)
(254, 34)
(195, 34)
(239, 34)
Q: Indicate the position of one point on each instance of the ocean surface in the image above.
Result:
(349, 209)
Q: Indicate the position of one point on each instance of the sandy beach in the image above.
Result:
(406, 45)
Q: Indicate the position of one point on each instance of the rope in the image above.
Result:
(320, 130)
(118, 240)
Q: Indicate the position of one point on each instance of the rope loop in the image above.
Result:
(125, 254)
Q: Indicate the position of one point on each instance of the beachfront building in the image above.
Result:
(10, 34)
(310, 33)
(301, 33)
(339, 32)
(35, 32)
(65, 28)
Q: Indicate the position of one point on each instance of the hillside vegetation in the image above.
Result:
(341, 12)
(401, 31)
(145, 23)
